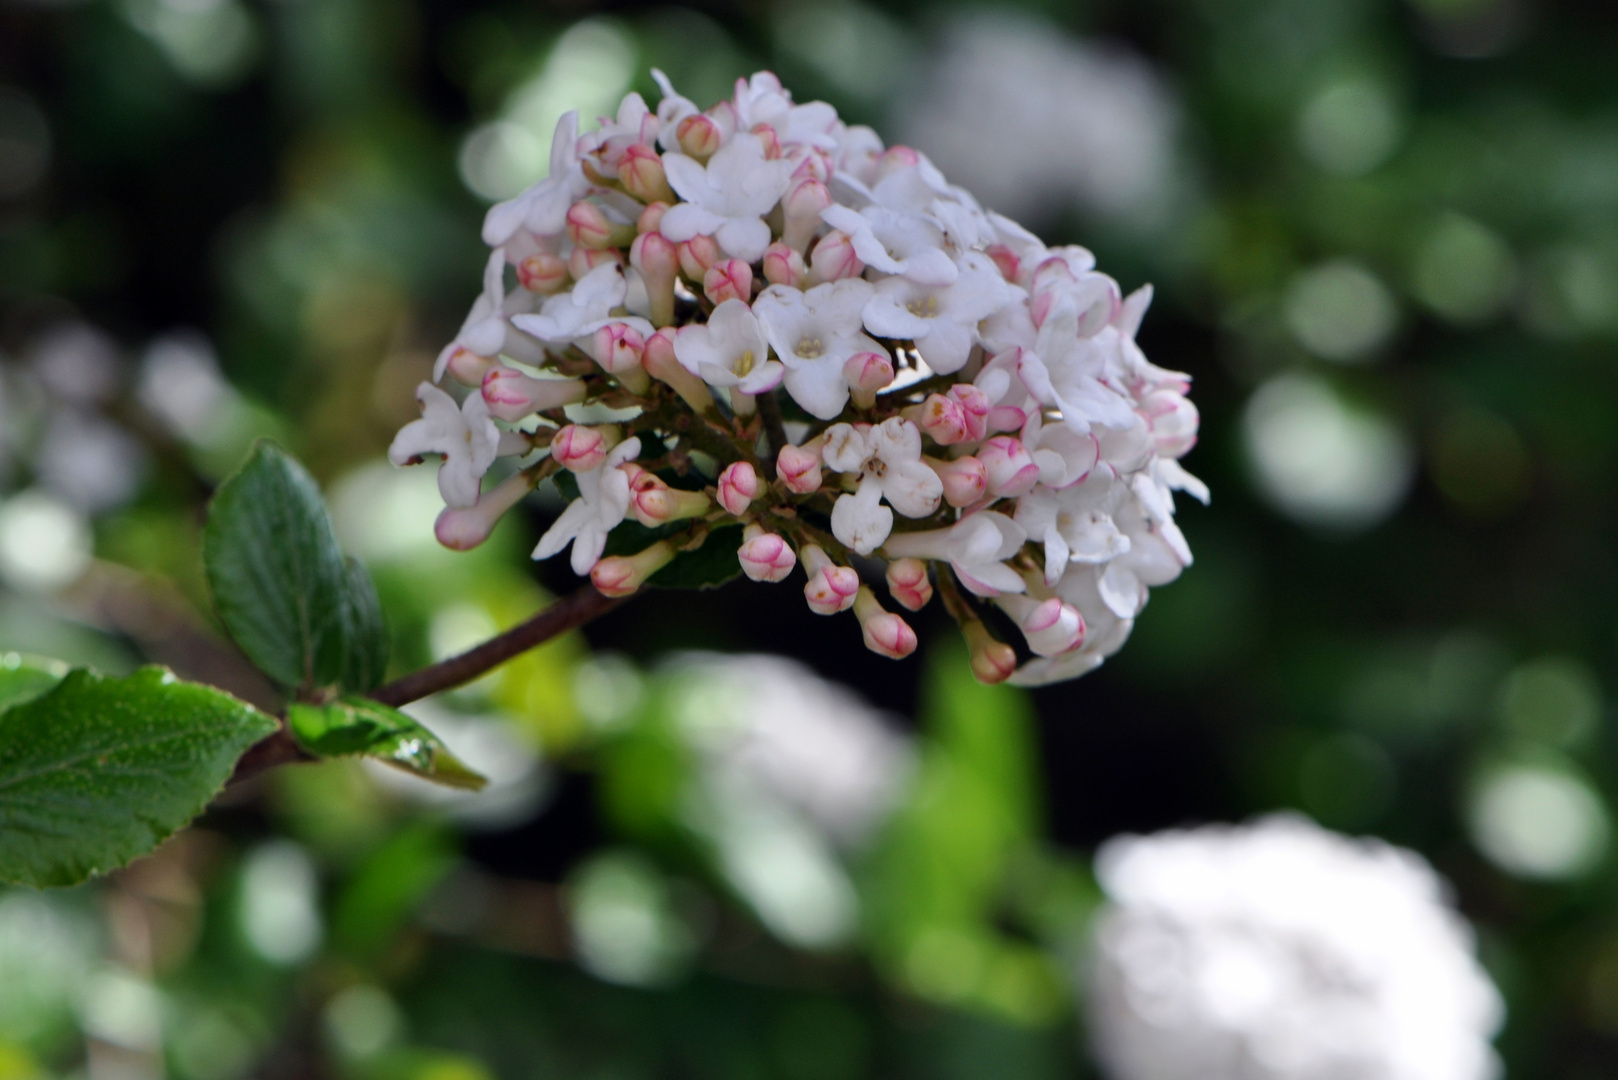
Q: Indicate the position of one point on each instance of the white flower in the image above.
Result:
(603, 503)
(1157, 553)
(888, 459)
(814, 333)
(542, 209)
(1281, 951)
(728, 198)
(1070, 372)
(584, 310)
(1075, 524)
(976, 547)
(895, 242)
(1063, 455)
(465, 435)
(941, 319)
(1104, 632)
(729, 351)
(634, 124)
(484, 331)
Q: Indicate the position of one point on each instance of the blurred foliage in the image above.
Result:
(1384, 235)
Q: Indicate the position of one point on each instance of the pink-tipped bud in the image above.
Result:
(800, 213)
(833, 259)
(765, 556)
(651, 218)
(658, 261)
(866, 373)
(771, 141)
(620, 575)
(641, 173)
(467, 367)
(581, 448)
(511, 395)
(1052, 627)
(1173, 421)
(993, 661)
(799, 468)
(654, 503)
(731, 279)
(975, 409)
(698, 136)
(582, 260)
(738, 486)
(587, 226)
(831, 588)
(698, 255)
(1010, 466)
(965, 479)
(885, 633)
(617, 347)
(464, 529)
(662, 365)
(1006, 261)
(896, 158)
(909, 584)
(784, 266)
(940, 418)
(542, 273)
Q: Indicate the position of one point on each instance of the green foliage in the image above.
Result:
(356, 726)
(300, 610)
(708, 567)
(387, 887)
(98, 771)
(23, 678)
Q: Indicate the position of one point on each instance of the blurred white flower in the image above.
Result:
(1281, 951)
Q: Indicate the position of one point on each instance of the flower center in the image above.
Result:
(875, 466)
(924, 308)
(810, 347)
(744, 363)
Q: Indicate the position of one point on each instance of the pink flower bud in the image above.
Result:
(1052, 627)
(1010, 466)
(542, 273)
(698, 255)
(619, 575)
(651, 218)
(771, 141)
(662, 365)
(834, 259)
(698, 136)
(765, 556)
(587, 226)
(731, 279)
(800, 212)
(641, 173)
(617, 347)
(511, 395)
(784, 266)
(885, 633)
(909, 584)
(1173, 421)
(654, 503)
(580, 448)
(467, 367)
(896, 158)
(1005, 260)
(658, 261)
(582, 260)
(799, 468)
(738, 486)
(940, 418)
(965, 479)
(866, 373)
(831, 588)
(975, 409)
(466, 528)
(992, 661)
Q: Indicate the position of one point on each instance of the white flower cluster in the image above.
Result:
(820, 340)
(1281, 951)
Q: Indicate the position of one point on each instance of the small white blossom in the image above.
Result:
(976, 548)
(1075, 524)
(542, 209)
(484, 331)
(895, 242)
(464, 434)
(887, 458)
(728, 198)
(602, 504)
(814, 333)
(941, 319)
(582, 311)
(729, 350)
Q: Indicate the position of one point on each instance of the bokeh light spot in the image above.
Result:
(1340, 311)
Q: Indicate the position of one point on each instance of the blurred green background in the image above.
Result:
(1384, 235)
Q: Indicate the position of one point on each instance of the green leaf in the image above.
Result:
(303, 613)
(23, 678)
(359, 726)
(98, 771)
(708, 567)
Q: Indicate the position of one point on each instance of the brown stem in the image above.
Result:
(775, 435)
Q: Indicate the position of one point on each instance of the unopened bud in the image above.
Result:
(641, 173)
(1011, 468)
(799, 468)
(542, 273)
(896, 158)
(1006, 261)
(1052, 627)
(651, 218)
(993, 661)
(620, 575)
(698, 136)
(940, 418)
(738, 486)
(658, 261)
(655, 503)
(1173, 421)
(511, 395)
(784, 266)
(698, 255)
(580, 448)
(464, 529)
(909, 584)
(885, 633)
(467, 367)
(731, 279)
(765, 556)
(771, 141)
(587, 226)
(965, 479)
(831, 588)
(800, 212)
(866, 373)
(833, 259)
(662, 365)
(975, 409)
(582, 260)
